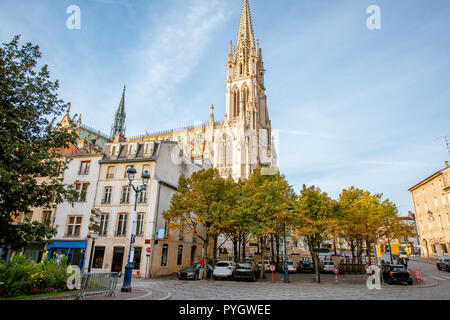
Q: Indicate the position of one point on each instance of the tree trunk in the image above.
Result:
(205, 258)
(277, 243)
(316, 266)
(272, 253)
(352, 247)
(243, 245)
(263, 253)
(235, 248)
(215, 251)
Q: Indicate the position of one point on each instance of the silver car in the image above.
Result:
(224, 270)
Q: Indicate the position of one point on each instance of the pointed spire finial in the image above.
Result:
(68, 107)
(246, 38)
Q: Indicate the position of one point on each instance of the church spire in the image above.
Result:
(119, 119)
(246, 38)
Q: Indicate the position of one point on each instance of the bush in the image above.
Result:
(21, 277)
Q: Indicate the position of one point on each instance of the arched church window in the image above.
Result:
(241, 69)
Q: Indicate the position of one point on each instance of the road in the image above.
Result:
(301, 287)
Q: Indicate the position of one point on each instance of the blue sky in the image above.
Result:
(353, 106)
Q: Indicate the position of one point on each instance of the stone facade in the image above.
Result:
(431, 198)
(116, 200)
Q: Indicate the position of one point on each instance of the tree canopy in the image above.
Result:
(30, 141)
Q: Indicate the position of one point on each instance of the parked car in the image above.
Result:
(246, 270)
(305, 266)
(396, 273)
(327, 266)
(193, 272)
(224, 270)
(267, 265)
(253, 262)
(443, 264)
(290, 266)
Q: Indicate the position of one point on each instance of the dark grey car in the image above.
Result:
(193, 272)
(443, 264)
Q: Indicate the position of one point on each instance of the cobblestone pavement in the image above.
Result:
(301, 287)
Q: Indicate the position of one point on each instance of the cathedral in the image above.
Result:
(243, 140)
(235, 145)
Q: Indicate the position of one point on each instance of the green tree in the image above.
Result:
(29, 142)
(265, 201)
(199, 206)
(315, 219)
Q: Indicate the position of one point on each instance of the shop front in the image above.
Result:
(75, 251)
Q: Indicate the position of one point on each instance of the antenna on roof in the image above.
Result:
(447, 143)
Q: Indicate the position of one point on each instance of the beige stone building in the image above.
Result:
(170, 250)
(431, 198)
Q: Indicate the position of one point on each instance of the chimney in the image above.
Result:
(446, 164)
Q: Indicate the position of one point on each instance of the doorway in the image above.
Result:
(117, 260)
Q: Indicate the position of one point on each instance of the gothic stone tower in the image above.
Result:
(243, 140)
(119, 119)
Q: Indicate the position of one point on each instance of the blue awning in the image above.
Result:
(68, 244)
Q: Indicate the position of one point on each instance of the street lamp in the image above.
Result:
(131, 172)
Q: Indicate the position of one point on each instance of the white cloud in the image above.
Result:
(171, 51)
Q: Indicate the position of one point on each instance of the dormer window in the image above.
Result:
(114, 150)
(132, 148)
(149, 148)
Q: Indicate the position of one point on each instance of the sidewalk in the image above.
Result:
(423, 260)
(136, 294)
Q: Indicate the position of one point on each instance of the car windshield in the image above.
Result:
(195, 265)
(329, 263)
(398, 269)
(244, 265)
(222, 264)
(306, 262)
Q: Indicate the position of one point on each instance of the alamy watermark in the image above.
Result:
(74, 20)
(374, 20)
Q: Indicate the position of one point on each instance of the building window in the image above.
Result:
(132, 149)
(81, 188)
(125, 195)
(111, 173)
(433, 249)
(139, 224)
(107, 195)
(84, 167)
(73, 226)
(122, 225)
(166, 230)
(25, 217)
(125, 175)
(180, 255)
(99, 253)
(142, 198)
(104, 225)
(444, 249)
(165, 249)
(137, 258)
(181, 236)
(46, 216)
(149, 147)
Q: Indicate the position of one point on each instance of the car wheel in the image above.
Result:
(410, 283)
(196, 276)
(438, 267)
(389, 281)
(214, 278)
(448, 268)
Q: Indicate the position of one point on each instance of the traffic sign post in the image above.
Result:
(94, 228)
(336, 272)
(272, 268)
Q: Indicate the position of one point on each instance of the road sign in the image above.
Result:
(148, 250)
(272, 268)
(321, 250)
(336, 270)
